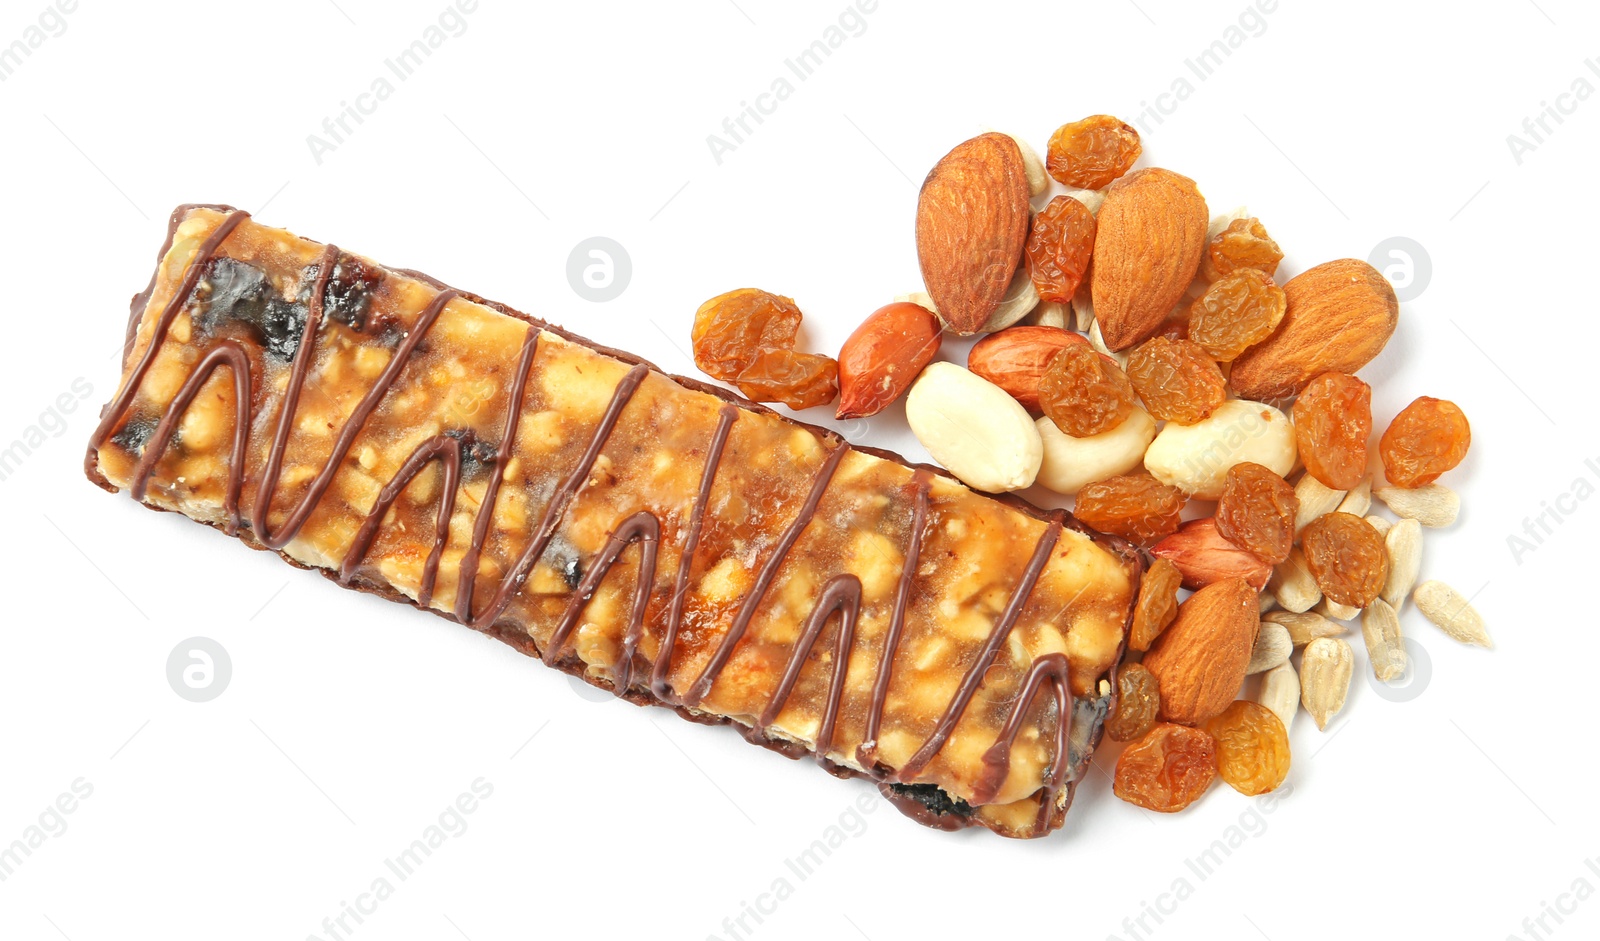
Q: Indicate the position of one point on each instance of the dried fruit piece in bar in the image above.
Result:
(1060, 247)
(1243, 244)
(1177, 380)
(654, 536)
(1090, 153)
(1257, 511)
(732, 328)
(1252, 747)
(1347, 557)
(1427, 438)
(1168, 769)
(1085, 393)
(1332, 425)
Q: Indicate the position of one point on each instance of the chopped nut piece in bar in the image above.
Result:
(651, 534)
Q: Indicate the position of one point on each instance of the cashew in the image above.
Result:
(1071, 463)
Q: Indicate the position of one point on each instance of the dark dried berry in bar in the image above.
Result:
(234, 292)
(476, 454)
(134, 434)
(348, 297)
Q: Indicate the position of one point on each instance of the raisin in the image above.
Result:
(572, 571)
(1177, 380)
(1238, 311)
(1138, 701)
(281, 327)
(347, 299)
(732, 328)
(229, 290)
(476, 454)
(1347, 558)
(1136, 507)
(234, 292)
(933, 797)
(1085, 393)
(1243, 244)
(1091, 153)
(1252, 747)
(135, 434)
(1256, 511)
(1157, 604)
(1332, 424)
(1166, 770)
(798, 380)
(1060, 247)
(1427, 438)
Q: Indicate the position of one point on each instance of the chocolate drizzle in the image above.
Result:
(659, 686)
(867, 752)
(741, 621)
(226, 353)
(991, 647)
(437, 448)
(841, 595)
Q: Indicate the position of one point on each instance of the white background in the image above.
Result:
(1457, 808)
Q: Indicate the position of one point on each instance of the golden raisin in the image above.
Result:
(1177, 380)
(1243, 244)
(1238, 311)
(1256, 511)
(1136, 507)
(1157, 604)
(1089, 154)
(1167, 769)
(1085, 393)
(730, 329)
(1347, 558)
(1332, 424)
(798, 380)
(1252, 747)
(1138, 701)
(1060, 247)
(1427, 438)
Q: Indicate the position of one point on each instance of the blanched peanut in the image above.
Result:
(974, 429)
(1196, 458)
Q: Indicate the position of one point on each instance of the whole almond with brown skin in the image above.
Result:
(1341, 314)
(972, 221)
(1204, 556)
(1151, 232)
(879, 361)
(1015, 359)
(1200, 659)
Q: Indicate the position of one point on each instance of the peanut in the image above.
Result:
(1196, 458)
(974, 429)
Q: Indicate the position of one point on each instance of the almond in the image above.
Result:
(1015, 359)
(1200, 659)
(1151, 232)
(1204, 557)
(972, 221)
(1341, 315)
(879, 361)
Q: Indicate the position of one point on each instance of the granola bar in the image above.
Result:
(651, 534)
